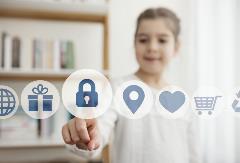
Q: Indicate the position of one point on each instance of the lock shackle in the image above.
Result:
(86, 81)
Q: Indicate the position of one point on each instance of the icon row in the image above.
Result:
(87, 94)
(39, 99)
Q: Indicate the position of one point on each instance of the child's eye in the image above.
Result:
(162, 41)
(142, 40)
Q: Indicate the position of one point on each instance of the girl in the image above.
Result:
(153, 138)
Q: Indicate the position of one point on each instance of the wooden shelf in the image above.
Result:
(50, 15)
(67, 7)
(35, 143)
(37, 74)
(36, 151)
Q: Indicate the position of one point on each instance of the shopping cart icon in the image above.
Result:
(205, 104)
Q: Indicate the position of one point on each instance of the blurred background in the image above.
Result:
(49, 39)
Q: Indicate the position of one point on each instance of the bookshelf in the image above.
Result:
(45, 12)
(30, 10)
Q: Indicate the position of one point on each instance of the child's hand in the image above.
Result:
(83, 133)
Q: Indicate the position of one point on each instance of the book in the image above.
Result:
(70, 55)
(18, 127)
(60, 118)
(16, 52)
(43, 54)
(3, 36)
(47, 127)
(67, 54)
(26, 58)
(37, 53)
(49, 53)
(63, 49)
(1, 51)
(26, 54)
(56, 55)
(7, 52)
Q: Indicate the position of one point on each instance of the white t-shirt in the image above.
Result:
(151, 139)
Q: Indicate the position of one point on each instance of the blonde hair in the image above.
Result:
(171, 18)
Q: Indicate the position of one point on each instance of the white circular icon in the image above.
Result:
(133, 99)
(233, 102)
(87, 94)
(8, 102)
(172, 102)
(207, 102)
(40, 99)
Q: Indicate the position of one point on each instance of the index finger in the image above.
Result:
(82, 131)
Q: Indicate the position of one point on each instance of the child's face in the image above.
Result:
(155, 45)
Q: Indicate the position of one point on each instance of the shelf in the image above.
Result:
(44, 6)
(37, 74)
(35, 143)
(40, 150)
(34, 74)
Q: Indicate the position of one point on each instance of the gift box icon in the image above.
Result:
(40, 99)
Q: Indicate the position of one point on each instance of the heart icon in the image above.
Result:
(172, 101)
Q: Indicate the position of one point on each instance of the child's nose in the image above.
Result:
(153, 46)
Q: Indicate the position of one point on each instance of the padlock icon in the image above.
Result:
(86, 98)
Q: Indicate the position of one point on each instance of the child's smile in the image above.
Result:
(152, 59)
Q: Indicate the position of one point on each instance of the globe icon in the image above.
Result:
(7, 102)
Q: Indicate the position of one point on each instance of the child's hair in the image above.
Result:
(171, 18)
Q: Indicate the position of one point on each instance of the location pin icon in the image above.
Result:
(133, 104)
